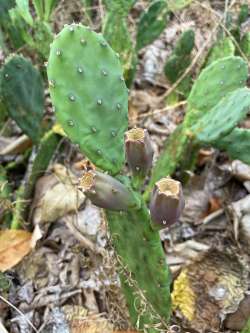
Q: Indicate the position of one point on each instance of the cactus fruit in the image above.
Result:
(89, 94)
(236, 144)
(167, 203)
(23, 95)
(152, 23)
(107, 192)
(223, 48)
(139, 151)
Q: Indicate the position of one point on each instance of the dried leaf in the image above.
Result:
(56, 195)
(14, 245)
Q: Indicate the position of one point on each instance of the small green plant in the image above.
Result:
(91, 103)
(179, 61)
(217, 102)
(115, 30)
(22, 95)
(90, 98)
(22, 28)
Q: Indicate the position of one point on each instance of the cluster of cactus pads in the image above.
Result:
(115, 30)
(217, 102)
(90, 99)
(91, 104)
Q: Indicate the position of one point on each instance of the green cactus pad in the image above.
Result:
(152, 23)
(23, 95)
(140, 250)
(245, 44)
(215, 82)
(185, 43)
(119, 7)
(89, 94)
(236, 144)
(222, 49)
(117, 34)
(221, 119)
(175, 67)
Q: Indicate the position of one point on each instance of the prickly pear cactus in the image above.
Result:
(90, 98)
(214, 83)
(222, 118)
(179, 61)
(141, 253)
(223, 48)
(216, 104)
(236, 144)
(245, 44)
(116, 33)
(152, 23)
(23, 95)
(185, 43)
(89, 94)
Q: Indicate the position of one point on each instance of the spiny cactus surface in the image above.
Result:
(23, 95)
(89, 94)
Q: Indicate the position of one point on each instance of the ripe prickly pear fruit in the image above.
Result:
(167, 203)
(106, 192)
(139, 151)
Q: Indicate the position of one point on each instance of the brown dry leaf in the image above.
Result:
(82, 321)
(14, 245)
(56, 195)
